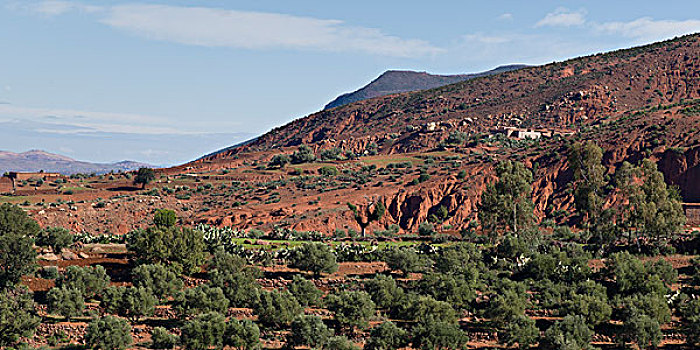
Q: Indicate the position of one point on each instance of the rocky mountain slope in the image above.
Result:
(396, 81)
(428, 155)
(36, 160)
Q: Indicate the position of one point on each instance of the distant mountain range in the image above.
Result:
(396, 81)
(37, 160)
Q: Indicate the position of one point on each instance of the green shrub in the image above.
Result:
(57, 238)
(162, 339)
(18, 318)
(305, 291)
(308, 331)
(108, 333)
(314, 257)
(243, 335)
(90, 281)
(204, 331)
(277, 308)
(67, 302)
(17, 254)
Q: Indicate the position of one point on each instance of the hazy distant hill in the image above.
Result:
(36, 160)
(395, 81)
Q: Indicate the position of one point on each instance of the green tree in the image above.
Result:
(690, 312)
(279, 161)
(303, 154)
(144, 176)
(308, 331)
(351, 309)
(277, 308)
(199, 300)
(414, 307)
(384, 291)
(452, 289)
(314, 257)
(632, 276)
(162, 339)
(572, 332)
(228, 272)
(18, 318)
(90, 281)
(340, 343)
(594, 307)
(182, 249)
(432, 335)
(164, 218)
(521, 330)
(108, 333)
(159, 279)
(133, 302)
(57, 238)
(386, 336)
(305, 291)
(586, 161)
(242, 335)
(405, 260)
(507, 303)
(643, 330)
(67, 302)
(204, 331)
(17, 255)
(656, 209)
(507, 203)
(366, 215)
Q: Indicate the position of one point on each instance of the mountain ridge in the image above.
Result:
(36, 160)
(397, 81)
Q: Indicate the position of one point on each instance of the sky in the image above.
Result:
(166, 82)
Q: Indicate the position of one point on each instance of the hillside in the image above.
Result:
(418, 152)
(394, 81)
(36, 160)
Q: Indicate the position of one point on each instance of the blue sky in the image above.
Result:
(167, 81)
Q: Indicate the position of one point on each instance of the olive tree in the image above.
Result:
(431, 334)
(386, 336)
(108, 333)
(58, 238)
(521, 330)
(242, 335)
(507, 203)
(228, 272)
(162, 339)
(144, 176)
(351, 309)
(314, 257)
(159, 279)
(182, 249)
(308, 331)
(204, 331)
(201, 299)
(18, 317)
(90, 281)
(277, 308)
(572, 332)
(305, 291)
(17, 255)
(67, 302)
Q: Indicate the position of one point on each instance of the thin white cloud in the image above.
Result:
(54, 8)
(213, 27)
(63, 121)
(506, 17)
(648, 29)
(487, 38)
(563, 17)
